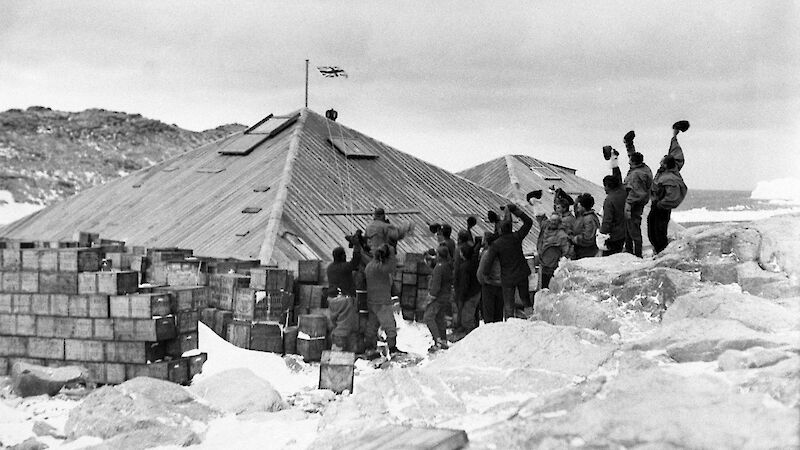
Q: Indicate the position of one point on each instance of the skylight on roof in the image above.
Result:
(272, 125)
(353, 148)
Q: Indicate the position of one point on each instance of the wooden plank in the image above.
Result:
(366, 212)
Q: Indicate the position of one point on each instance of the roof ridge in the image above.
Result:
(276, 213)
(512, 177)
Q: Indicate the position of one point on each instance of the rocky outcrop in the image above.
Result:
(238, 391)
(30, 379)
(140, 413)
(577, 309)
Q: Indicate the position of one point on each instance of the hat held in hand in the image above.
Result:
(471, 221)
(537, 194)
(434, 227)
(681, 125)
(492, 217)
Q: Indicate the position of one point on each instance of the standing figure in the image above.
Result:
(552, 245)
(514, 269)
(379, 299)
(468, 288)
(667, 192)
(489, 277)
(439, 292)
(343, 319)
(586, 225)
(614, 205)
(638, 183)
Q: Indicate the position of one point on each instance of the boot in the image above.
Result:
(395, 351)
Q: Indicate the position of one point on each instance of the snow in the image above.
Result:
(11, 210)
(787, 189)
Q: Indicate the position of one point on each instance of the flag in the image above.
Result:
(332, 71)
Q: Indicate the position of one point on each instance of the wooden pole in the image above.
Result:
(306, 83)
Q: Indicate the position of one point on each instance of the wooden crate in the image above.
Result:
(103, 329)
(30, 259)
(11, 259)
(269, 279)
(239, 333)
(272, 306)
(187, 298)
(178, 371)
(86, 238)
(29, 282)
(79, 260)
(58, 282)
(408, 298)
(6, 303)
(312, 296)
(39, 303)
(222, 288)
(134, 352)
(186, 273)
(186, 321)
(308, 271)
(65, 327)
(221, 321)
(59, 305)
(181, 344)
(266, 337)
(158, 370)
(336, 371)
(244, 303)
(22, 304)
(411, 260)
(196, 363)
(12, 281)
(78, 305)
(18, 324)
(84, 350)
(145, 329)
(141, 306)
(410, 278)
(117, 282)
(13, 346)
(207, 316)
(48, 260)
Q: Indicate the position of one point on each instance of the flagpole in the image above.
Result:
(306, 83)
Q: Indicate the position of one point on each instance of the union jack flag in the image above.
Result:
(332, 71)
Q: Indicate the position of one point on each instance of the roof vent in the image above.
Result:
(331, 115)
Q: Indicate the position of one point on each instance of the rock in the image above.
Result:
(763, 283)
(29, 444)
(31, 379)
(751, 358)
(727, 303)
(747, 244)
(594, 274)
(45, 429)
(699, 339)
(652, 290)
(780, 244)
(657, 408)
(573, 308)
(721, 270)
(779, 380)
(139, 413)
(238, 391)
(714, 241)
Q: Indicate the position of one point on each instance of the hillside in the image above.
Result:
(46, 155)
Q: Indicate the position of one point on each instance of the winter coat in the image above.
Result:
(467, 278)
(568, 223)
(585, 232)
(614, 214)
(379, 281)
(553, 244)
(638, 182)
(668, 189)
(508, 249)
(441, 281)
(340, 275)
(488, 270)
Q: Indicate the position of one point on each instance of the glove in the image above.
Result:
(627, 211)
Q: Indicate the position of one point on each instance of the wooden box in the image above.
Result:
(409, 278)
(266, 337)
(140, 306)
(59, 304)
(411, 261)
(221, 321)
(5, 303)
(158, 370)
(207, 316)
(11, 259)
(103, 329)
(269, 279)
(151, 330)
(29, 282)
(271, 306)
(222, 288)
(244, 301)
(308, 271)
(408, 298)
(13, 346)
(115, 283)
(86, 238)
(186, 321)
(84, 350)
(58, 282)
(196, 364)
(178, 371)
(186, 298)
(115, 373)
(30, 259)
(40, 303)
(134, 352)
(18, 325)
(239, 333)
(79, 260)
(181, 344)
(12, 281)
(409, 314)
(21, 304)
(186, 273)
(336, 371)
(48, 260)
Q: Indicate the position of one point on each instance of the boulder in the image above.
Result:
(652, 290)
(139, 413)
(747, 244)
(595, 274)
(30, 379)
(753, 279)
(238, 391)
(778, 380)
(750, 358)
(722, 269)
(780, 244)
(728, 303)
(29, 444)
(656, 408)
(698, 339)
(713, 241)
(573, 308)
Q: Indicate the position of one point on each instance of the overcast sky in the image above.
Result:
(455, 83)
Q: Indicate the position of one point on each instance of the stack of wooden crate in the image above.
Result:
(57, 307)
(411, 282)
(311, 288)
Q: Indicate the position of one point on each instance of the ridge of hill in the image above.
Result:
(46, 155)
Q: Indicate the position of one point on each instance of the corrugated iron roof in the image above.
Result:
(310, 195)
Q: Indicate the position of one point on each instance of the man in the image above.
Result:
(380, 231)
(468, 288)
(586, 225)
(514, 269)
(553, 243)
(379, 299)
(667, 192)
(637, 183)
(489, 278)
(341, 297)
(439, 292)
(614, 205)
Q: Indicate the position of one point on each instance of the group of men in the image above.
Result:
(482, 276)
